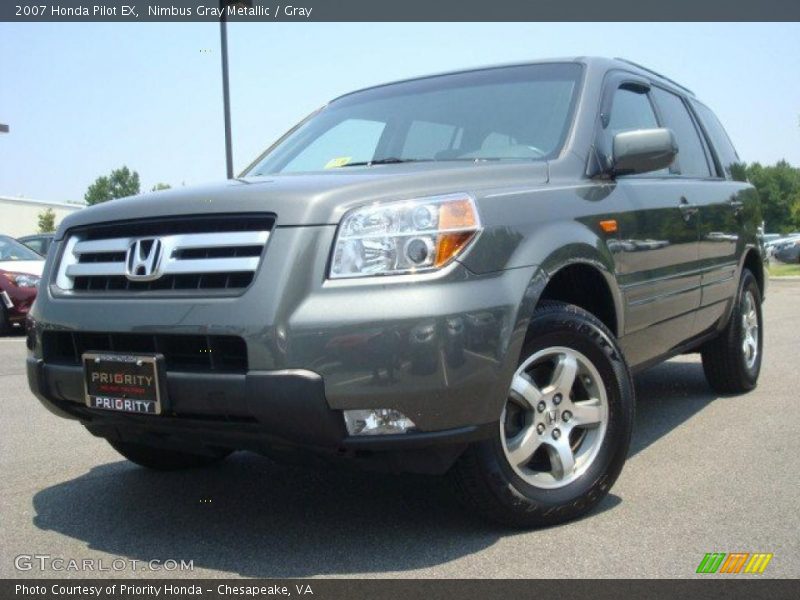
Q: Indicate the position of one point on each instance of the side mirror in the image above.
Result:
(643, 150)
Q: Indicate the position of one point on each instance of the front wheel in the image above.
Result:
(564, 430)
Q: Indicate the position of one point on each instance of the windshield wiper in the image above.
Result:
(391, 160)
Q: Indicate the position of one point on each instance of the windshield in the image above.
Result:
(11, 249)
(507, 113)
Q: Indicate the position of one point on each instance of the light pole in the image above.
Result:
(226, 99)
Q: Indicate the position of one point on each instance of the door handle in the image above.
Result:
(687, 209)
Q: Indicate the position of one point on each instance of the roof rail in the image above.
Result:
(656, 73)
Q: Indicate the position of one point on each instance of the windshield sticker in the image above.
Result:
(338, 162)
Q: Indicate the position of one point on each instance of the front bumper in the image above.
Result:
(440, 348)
(257, 411)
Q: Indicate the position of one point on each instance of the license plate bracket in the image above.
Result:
(125, 383)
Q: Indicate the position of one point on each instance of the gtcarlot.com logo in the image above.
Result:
(46, 562)
(734, 563)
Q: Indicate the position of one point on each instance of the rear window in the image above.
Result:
(722, 146)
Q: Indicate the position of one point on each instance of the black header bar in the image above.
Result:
(400, 10)
(713, 587)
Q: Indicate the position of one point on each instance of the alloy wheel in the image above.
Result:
(555, 418)
(749, 329)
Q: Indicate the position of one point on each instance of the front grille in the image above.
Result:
(182, 353)
(166, 255)
(209, 281)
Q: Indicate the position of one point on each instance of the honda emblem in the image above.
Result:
(143, 260)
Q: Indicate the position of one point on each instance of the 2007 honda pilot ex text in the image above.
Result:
(456, 273)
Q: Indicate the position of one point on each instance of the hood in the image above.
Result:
(319, 198)
(29, 267)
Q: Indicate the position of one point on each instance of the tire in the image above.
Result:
(598, 426)
(160, 459)
(728, 367)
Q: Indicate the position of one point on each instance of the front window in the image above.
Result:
(507, 113)
(11, 249)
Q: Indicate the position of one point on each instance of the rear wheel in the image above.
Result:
(732, 360)
(565, 428)
(161, 459)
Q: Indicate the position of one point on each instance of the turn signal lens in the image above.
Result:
(450, 244)
(409, 236)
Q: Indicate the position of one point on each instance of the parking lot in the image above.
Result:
(705, 474)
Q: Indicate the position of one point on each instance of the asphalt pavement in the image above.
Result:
(705, 474)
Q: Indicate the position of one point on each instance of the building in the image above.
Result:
(20, 216)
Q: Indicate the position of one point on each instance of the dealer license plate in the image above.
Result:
(124, 382)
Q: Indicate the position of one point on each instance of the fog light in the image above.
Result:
(376, 421)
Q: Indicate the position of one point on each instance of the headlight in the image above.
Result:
(23, 279)
(408, 236)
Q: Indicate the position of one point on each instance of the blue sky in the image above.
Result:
(82, 99)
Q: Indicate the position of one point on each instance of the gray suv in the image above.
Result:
(456, 273)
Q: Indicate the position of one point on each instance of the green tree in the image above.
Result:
(796, 214)
(779, 190)
(120, 183)
(47, 221)
(160, 186)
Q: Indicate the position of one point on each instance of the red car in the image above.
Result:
(20, 270)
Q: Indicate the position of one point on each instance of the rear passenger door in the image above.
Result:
(723, 212)
(658, 238)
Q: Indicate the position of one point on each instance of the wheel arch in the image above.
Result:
(585, 285)
(555, 264)
(753, 261)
